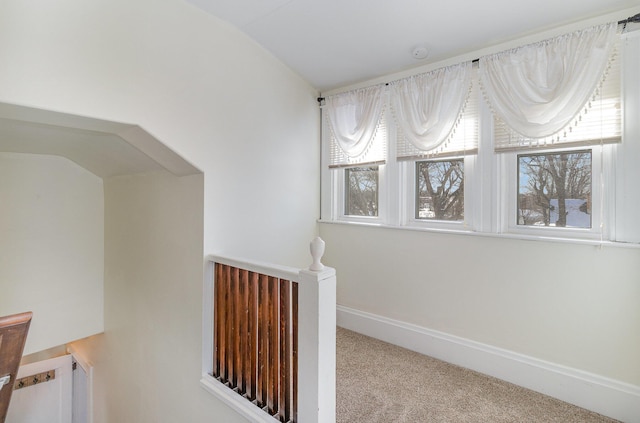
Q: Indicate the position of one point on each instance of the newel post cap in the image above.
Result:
(317, 250)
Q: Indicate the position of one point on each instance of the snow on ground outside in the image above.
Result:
(575, 217)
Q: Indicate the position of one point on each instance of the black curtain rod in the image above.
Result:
(624, 22)
(634, 18)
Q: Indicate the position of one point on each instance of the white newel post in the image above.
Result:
(317, 341)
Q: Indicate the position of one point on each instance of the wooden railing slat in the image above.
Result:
(255, 338)
(294, 351)
(236, 295)
(274, 350)
(216, 321)
(263, 367)
(243, 332)
(235, 345)
(285, 351)
(252, 336)
(222, 325)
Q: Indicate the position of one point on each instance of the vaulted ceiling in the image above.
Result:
(334, 43)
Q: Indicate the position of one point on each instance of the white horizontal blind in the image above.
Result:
(464, 137)
(600, 121)
(376, 153)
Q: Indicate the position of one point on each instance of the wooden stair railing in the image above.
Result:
(255, 338)
(269, 338)
(13, 335)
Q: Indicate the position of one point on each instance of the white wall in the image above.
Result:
(568, 304)
(198, 85)
(51, 247)
(537, 313)
(225, 105)
(148, 362)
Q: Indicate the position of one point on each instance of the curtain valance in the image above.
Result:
(353, 119)
(540, 89)
(428, 106)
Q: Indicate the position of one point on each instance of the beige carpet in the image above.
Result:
(380, 382)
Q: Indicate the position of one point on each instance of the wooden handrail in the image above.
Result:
(13, 335)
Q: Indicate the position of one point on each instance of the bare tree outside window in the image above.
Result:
(555, 189)
(361, 191)
(440, 190)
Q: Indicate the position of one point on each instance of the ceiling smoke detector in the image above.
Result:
(420, 53)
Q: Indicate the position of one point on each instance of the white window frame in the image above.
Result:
(409, 197)
(339, 195)
(491, 181)
(602, 192)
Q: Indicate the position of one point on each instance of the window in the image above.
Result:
(418, 157)
(356, 148)
(548, 154)
(361, 191)
(440, 190)
(541, 170)
(555, 189)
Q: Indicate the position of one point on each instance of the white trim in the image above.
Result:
(207, 318)
(317, 346)
(602, 194)
(237, 402)
(537, 238)
(409, 199)
(390, 181)
(626, 170)
(329, 180)
(602, 395)
(87, 366)
(274, 270)
(340, 196)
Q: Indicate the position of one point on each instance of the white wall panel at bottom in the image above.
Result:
(46, 401)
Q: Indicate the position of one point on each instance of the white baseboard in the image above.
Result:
(609, 397)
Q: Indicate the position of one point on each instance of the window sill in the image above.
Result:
(469, 232)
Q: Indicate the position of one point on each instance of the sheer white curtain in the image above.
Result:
(354, 118)
(427, 106)
(540, 89)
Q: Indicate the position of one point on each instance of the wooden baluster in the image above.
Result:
(229, 323)
(241, 319)
(270, 352)
(263, 340)
(217, 306)
(252, 335)
(274, 349)
(233, 351)
(223, 294)
(284, 398)
(294, 351)
(256, 338)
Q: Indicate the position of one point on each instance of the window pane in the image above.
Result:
(555, 189)
(361, 191)
(440, 190)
